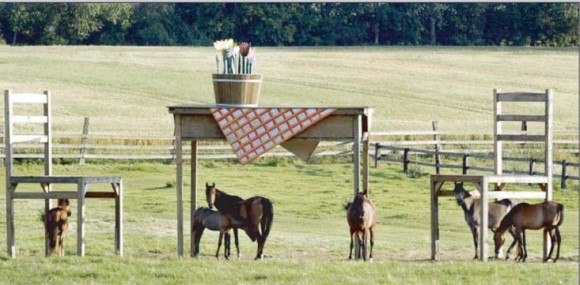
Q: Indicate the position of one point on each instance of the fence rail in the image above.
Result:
(563, 165)
(85, 146)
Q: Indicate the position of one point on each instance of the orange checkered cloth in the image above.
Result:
(252, 132)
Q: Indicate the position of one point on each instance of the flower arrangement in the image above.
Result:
(231, 53)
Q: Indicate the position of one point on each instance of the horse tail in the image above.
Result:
(267, 218)
(560, 210)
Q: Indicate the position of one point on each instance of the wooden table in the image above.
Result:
(196, 123)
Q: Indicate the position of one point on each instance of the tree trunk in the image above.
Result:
(14, 38)
(433, 34)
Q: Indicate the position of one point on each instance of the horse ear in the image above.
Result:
(213, 185)
(206, 185)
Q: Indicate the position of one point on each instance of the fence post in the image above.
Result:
(377, 154)
(3, 142)
(465, 161)
(84, 140)
(437, 146)
(563, 183)
(406, 160)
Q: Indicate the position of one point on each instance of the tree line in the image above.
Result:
(290, 24)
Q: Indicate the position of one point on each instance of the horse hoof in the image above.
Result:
(371, 259)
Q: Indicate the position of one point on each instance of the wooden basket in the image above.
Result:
(237, 89)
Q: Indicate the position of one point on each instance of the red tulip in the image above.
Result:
(244, 48)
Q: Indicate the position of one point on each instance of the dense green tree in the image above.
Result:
(274, 24)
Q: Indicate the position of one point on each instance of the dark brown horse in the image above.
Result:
(56, 225)
(472, 212)
(256, 214)
(361, 216)
(205, 218)
(547, 215)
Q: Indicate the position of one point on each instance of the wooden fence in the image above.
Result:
(435, 144)
(562, 166)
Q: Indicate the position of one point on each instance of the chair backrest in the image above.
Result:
(545, 118)
(12, 121)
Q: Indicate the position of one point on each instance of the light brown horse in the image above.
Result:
(548, 215)
(205, 218)
(56, 225)
(472, 212)
(361, 216)
(256, 214)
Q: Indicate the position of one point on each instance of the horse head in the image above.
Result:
(64, 204)
(210, 192)
(357, 204)
(460, 192)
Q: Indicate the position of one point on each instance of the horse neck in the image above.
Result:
(223, 200)
(467, 203)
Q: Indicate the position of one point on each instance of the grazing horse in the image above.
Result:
(56, 225)
(205, 218)
(361, 216)
(256, 214)
(547, 215)
(472, 212)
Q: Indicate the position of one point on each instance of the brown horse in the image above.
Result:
(205, 218)
(361, 216)
(547, 215)
(256, 214)
(472, 212)
(56, 225)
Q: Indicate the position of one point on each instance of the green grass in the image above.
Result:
(125, 90)
(308, 243)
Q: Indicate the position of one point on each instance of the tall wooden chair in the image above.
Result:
(14, 137)
(499, 179)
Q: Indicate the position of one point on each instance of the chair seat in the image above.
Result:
(66, 179)
(516, 179)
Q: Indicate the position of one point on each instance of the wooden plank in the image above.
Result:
(457, 178)
(29, 138)
(517, 179)
(179, 180)
(100, 195)
(30, 119)
(81, 189)
(520, 118)
(497, 129)
(119, 220)
(193, 205)
(434, 219)
(528, 138)
(29, 98)
(484, 216)
(65, 179)
(521, 97)
(49, 195)
(516, 195)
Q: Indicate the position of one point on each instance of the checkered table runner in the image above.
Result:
(252, 132)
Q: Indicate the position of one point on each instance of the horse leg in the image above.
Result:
(525, 250)
(237, 242)
(198, 233)
(227, 245)
(558, 240)
(217, 256)
(372, 233)
(53, 237)
(364, 244)
(351, 244)
(360, 236)
(475, 234)
(61, 245)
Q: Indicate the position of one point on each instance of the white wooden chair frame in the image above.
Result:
(499, 179)
(46, 180)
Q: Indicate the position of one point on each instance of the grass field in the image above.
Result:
(125, 90)
(308, 244)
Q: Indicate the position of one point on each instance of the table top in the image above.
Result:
(205, 109)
